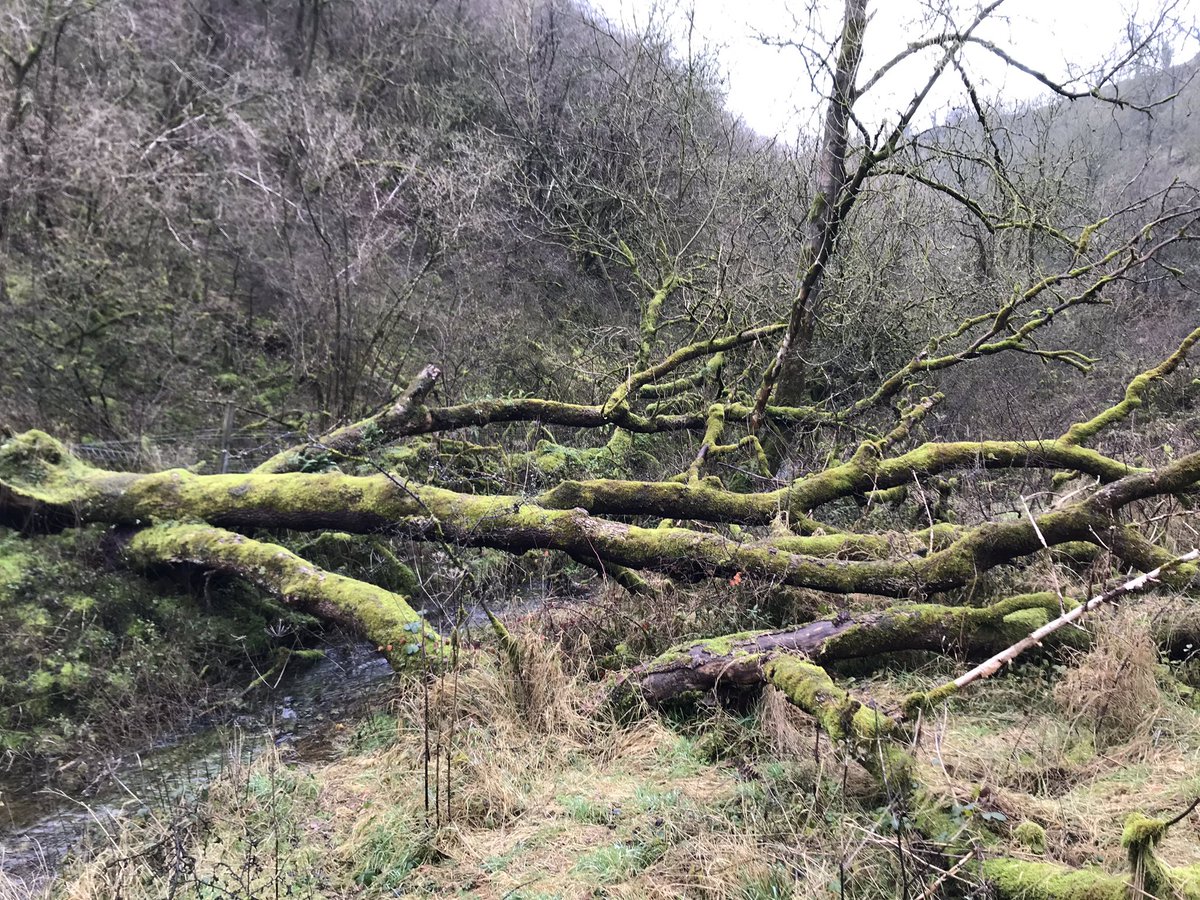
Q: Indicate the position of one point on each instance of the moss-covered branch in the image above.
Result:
(619, 398)
(648, 327)
(862, 474)
(412, 419)
(1148, 876)
(1042, 631)
(378, 430)
(39, 482)
(1134, 395)
(711, 439)
(867, 732)
(735, 660)
(379, 615)
(665, 389)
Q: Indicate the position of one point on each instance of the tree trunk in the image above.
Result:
(824, 219)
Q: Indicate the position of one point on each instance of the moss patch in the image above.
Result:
(95, 655)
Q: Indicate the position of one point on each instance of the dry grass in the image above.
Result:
(568, 808)
(1113, 687)
(14, 889)
(789, 732)
(541, 800)
(1008, 749)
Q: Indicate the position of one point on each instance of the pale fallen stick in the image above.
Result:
(993, 665)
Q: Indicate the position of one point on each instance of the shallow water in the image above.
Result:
(40, 824)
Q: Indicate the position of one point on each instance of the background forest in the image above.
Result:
(294, 207)
(539, 332)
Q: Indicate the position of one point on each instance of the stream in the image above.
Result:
(41, 825)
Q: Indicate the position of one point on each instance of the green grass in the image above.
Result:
(375, 733)
(774, 884)
(393, 846)
(583, 809)
(618, 861)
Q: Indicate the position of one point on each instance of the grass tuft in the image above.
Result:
(1113, 687)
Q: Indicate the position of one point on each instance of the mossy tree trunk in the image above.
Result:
(57, 491)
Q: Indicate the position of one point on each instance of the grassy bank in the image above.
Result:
(527, 793)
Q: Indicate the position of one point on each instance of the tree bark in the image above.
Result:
(737, 661)
(824, 220)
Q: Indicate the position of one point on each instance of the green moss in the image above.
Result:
(1031, 836)
(380, 615)
(1134, 394)
(895, 494)
(29, 458)
(1020, 880)
(15, 562)
(1139, 838)
(870, 724)
(867, 732)
(38, 466)
(724, 645)
(1017, 879)
(931, 626)
(810, 687)
(1142, 833)
(937, 823)
(1185, 881)
(1022, 623)
(1082, 749)
(96, 655)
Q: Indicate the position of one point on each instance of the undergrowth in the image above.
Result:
(503, 781)
(96, 658)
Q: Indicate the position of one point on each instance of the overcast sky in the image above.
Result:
(771, 89)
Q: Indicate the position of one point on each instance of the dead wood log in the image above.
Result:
(994, 664)
(737, 661)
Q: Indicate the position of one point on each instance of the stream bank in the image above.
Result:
(42, 821)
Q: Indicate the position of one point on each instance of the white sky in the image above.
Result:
(771, 89)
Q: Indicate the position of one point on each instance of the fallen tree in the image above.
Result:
(672, 474)
(597, 521)
(688, 527)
